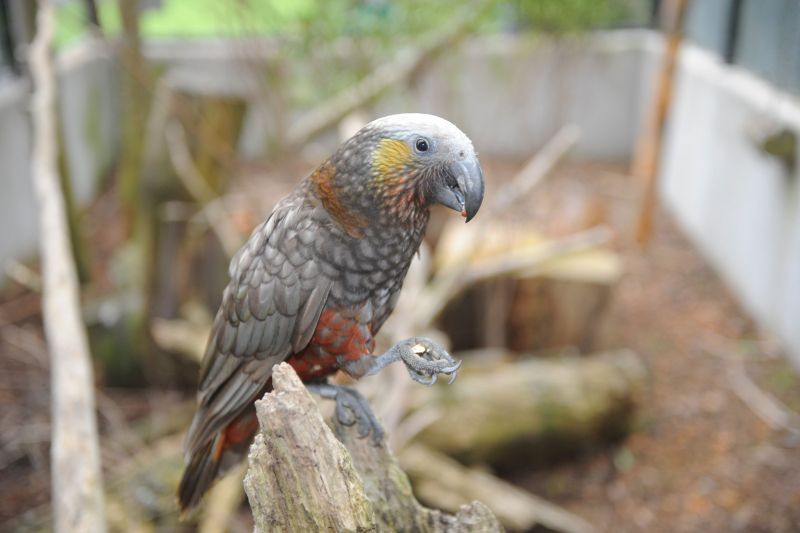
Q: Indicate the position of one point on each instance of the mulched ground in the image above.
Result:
(698, 460)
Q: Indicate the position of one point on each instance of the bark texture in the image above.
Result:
(302, 478)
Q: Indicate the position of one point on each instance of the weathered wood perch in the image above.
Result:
(301, 478)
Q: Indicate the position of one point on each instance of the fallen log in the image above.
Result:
(301, 478)
(530, 411)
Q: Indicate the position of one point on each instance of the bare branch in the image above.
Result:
(452, 281)
(214, 211)
(77, 481)
(766, 406)
(441, 481)
(24, 275)
(536, 169)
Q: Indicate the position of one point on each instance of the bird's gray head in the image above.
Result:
(414, 160)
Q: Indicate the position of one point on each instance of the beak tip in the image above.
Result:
(474, 192)
(468, 194)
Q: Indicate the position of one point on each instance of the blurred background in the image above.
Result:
(627, 302)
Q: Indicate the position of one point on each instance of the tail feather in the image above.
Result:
(200, 474)
(214, 458)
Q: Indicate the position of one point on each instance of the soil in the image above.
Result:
(699, 458)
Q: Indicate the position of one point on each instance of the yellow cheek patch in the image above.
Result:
(391, 158)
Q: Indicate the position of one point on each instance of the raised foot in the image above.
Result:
(425, 360)
(351, 409)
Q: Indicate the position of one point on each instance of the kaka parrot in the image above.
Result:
(315, 282)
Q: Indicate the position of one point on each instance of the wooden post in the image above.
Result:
(646, 159)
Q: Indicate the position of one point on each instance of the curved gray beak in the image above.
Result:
(462, 189)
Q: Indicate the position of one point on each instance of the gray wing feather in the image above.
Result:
(309, 316)
(269, 310)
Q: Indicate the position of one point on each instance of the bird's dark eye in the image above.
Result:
(421, 145)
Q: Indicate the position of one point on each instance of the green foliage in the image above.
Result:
(325, 46)
(386, 22)
(187, 18)
(565, 16)
(334, 43)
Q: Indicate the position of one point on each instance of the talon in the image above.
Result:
(351, 408)
(363, 429)
(430, 380)
(420, 377)
(452, 378)
(377, 435)
(345, 414)
(424, 359)
(452, 369)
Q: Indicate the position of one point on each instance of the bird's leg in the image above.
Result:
(351, 408)
(425, 360)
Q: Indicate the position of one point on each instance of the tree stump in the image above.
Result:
(301, 478)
